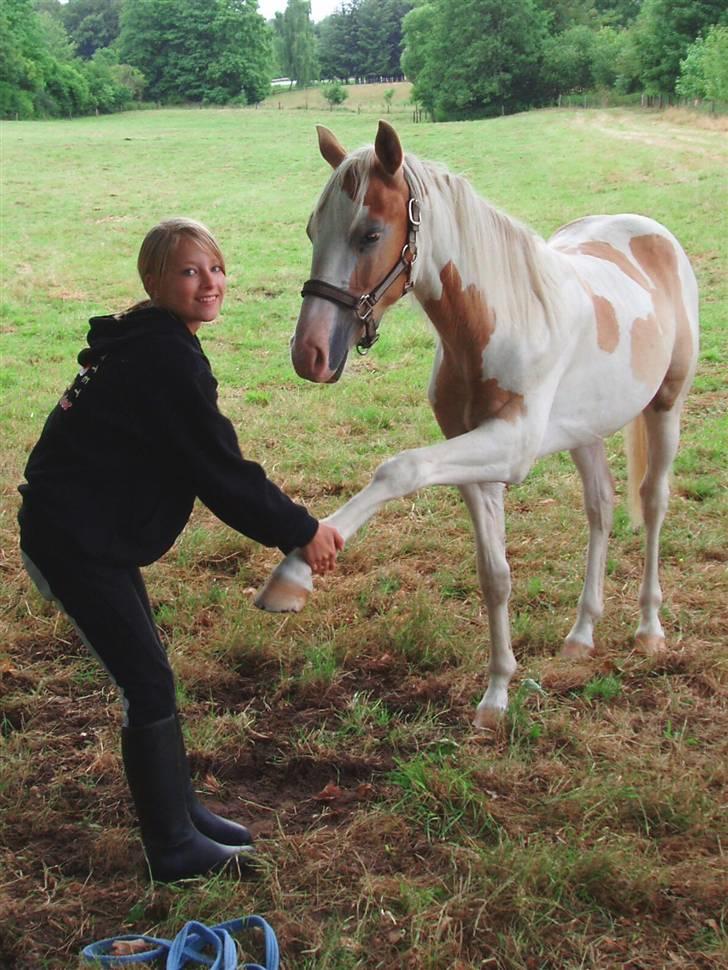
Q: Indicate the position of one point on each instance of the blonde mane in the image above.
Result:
(503, 257)
(500, 255)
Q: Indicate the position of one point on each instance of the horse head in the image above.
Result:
(363, 232)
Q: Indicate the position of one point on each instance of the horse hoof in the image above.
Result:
(576, 650)
(281, 596)
(650, 644)
(488, 718)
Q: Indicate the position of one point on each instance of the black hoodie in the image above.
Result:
(133, 441)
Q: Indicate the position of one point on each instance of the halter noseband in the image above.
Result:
(363, 305)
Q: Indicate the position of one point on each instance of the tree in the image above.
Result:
(197, 50)
(379, 37)
(335, 94)
(295, 43)
(617, 13)
(704, 70)
(494, 66)
(39, 73)
(363, 39)
(606, 54)
(569, 59)
(91, 24)
(564, 14)
(22, 57)
(240, 64)
(664, 31)
(113, 86)
(337, 43)
(418, 28)
(715, 63)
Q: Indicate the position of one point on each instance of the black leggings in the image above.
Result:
(110, 609)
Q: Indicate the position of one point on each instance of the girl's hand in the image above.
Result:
(322, 550)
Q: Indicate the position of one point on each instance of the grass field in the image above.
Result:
(590, 830)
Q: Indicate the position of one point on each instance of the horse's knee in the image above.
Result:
(600, 511)
(400, 475)
(495, 581)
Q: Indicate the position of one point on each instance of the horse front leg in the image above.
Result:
(485, 504)
(497, 451)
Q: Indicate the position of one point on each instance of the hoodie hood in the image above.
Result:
(110, 334)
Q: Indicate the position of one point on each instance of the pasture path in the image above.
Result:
(589, 830)
(708, 140)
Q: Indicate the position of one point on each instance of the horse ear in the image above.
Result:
(329, 147)
(388, 148)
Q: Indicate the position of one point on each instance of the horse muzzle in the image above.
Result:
(320, 346)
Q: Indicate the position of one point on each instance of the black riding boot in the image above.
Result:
(213, 826)
(158, 782)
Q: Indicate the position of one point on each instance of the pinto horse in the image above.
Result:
(542, 346)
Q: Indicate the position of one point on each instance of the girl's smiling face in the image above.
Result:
(192, 285)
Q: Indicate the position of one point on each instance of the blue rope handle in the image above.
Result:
(188, 946)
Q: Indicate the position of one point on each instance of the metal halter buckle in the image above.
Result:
(364, 307)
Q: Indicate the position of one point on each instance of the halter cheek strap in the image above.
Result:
(363, 305)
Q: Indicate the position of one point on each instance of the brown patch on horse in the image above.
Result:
(605, 250)
(465, 323)
(657, 257)
(648, 365)
(607, 325)
(606, 320)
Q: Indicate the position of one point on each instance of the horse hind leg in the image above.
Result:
(598, 485)
(663, 435)
(485, 505)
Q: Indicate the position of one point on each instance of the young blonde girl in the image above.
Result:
(111, 483)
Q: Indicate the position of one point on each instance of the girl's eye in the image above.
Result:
(218, 269)
(189, 271)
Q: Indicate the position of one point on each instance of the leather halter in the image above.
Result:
(364, 304)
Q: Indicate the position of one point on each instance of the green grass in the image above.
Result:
(587, 832)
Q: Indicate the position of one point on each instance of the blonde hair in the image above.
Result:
(160, 243)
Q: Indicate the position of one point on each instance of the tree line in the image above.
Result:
(474, 58)
(81, 56)
(466, 58)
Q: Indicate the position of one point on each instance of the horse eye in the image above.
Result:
(372, 237)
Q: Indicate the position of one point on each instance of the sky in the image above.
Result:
(319, 8)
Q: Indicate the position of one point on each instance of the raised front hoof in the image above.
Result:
(281, 596)
(489, 718)
(576, 650)
(650, 644)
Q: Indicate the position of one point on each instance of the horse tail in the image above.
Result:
(635, 444)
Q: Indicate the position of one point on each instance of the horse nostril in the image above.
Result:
(310, 360)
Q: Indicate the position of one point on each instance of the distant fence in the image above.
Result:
(655, 102)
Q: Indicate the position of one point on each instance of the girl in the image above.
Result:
(109, 487)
